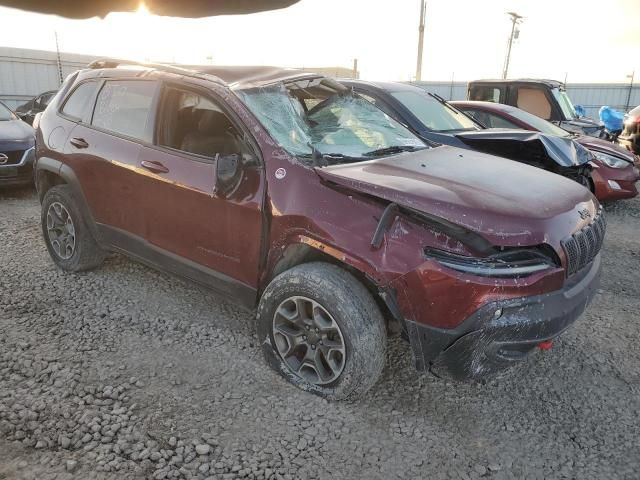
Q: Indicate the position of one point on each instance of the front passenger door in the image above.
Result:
(187, 216)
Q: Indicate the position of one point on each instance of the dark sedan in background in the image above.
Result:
(28, 111)
(615, 169)
(436, 121)
(16, 149)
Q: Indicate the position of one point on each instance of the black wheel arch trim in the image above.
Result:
(67, 174)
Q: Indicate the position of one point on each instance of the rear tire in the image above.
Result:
(66, 234)
(337, 317)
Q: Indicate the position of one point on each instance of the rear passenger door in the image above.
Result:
(103, 150)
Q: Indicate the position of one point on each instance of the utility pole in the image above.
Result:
(59, 61)
(355, 69)
(423, 11)
(515, 20)
(630, 89)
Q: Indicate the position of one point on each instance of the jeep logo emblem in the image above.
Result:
(584, 214)
(3, 159)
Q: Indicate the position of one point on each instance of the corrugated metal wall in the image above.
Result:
(26, 73)
(591, 96)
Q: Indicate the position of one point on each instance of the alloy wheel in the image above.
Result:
(61, 231)
(309, 340)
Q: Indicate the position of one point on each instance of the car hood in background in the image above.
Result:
(604, 146)
(15, 135)
(508, 203)
(522, 145)
(184, 8)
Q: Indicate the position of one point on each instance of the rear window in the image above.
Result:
(124, 107)
(76, 104)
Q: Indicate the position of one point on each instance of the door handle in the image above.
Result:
(155, 167)
(79, 142)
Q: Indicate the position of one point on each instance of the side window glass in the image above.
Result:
(78, 102)
(195, 124)
(534, 100)
(124, 107)
(496, 121)
(485, 94)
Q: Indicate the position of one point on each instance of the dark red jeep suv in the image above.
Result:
(287, 191)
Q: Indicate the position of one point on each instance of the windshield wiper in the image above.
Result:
(392, 150)
(444, 102)
(454, 109)
(322, 159)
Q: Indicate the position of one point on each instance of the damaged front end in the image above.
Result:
(560, 155)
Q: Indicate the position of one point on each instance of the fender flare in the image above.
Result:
(68, 175)
(385, 293)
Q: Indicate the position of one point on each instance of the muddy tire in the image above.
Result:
(321, 329)
(66, 234)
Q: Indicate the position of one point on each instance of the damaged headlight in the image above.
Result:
(507, 264)
(610, 160)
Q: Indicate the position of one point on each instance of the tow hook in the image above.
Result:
(546, 345)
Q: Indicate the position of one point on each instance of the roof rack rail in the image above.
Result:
(114, 62)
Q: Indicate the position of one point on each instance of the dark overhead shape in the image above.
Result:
(183, 8)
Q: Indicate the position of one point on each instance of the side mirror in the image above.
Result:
(228, 173)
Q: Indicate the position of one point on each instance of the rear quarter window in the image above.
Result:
(124, 107)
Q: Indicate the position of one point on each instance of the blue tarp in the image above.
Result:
(612, 119)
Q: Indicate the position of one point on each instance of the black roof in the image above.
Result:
(548, 82)
(386, 86)
(232, 76)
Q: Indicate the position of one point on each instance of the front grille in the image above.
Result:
(583, 246)
(14, 157)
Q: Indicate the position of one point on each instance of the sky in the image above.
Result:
(581, 40)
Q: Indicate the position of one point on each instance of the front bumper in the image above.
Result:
(615, 183)
(20, 173)
(488, 342)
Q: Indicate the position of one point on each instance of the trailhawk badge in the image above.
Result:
(281, 173)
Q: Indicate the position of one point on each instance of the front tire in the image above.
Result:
(66, 234)
(321, 329)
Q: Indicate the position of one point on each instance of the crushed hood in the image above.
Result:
(529, 147)
(508, 203)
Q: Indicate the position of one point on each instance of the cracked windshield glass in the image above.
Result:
(341, 125)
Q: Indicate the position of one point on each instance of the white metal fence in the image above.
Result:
(26, 73)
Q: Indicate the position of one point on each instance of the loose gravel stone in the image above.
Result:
(126, 373)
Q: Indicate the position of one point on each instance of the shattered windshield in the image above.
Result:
(565, 103)
(433, 114)
(338, 124)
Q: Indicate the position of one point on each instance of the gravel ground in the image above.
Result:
(125, 372)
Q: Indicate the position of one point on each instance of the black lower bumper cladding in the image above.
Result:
(503, 332)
